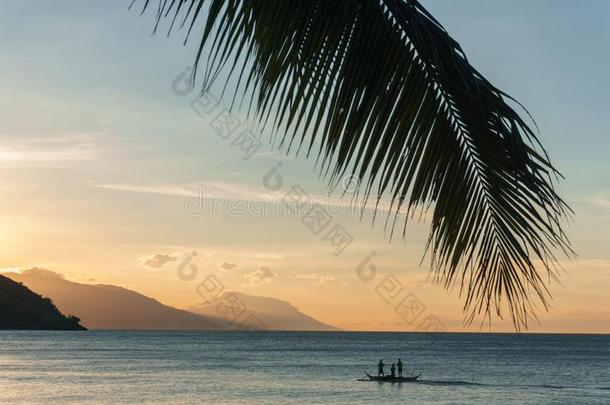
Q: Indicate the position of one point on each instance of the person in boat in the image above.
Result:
(399, 364)
(380, 368)
(393, 371)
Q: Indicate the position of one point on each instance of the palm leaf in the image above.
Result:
(378, 88)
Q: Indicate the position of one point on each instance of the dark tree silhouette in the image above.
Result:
(21, 308)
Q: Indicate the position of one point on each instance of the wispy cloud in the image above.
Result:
(11, 270)
(600, 201)
(269, 256)
(23, 150)
(226, 191)
(204, 189)
(178, 191)
(316, 277)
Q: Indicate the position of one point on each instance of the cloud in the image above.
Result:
(157, 261)
(202, 190)
(227, 266)
(270, 256)
(595, 207)
(41, 271)
(600, 201)
(319, 278)
(17, 270)
(49, 151)
(254, 200)
(262, 275)
(173, 190)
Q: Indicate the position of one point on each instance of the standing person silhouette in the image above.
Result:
(380, 368)
(393, 371)
(399, 364)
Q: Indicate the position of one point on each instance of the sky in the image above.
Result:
(111, 175)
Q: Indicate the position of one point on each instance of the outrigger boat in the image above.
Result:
(389, 378)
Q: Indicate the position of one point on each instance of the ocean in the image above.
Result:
(307, 367)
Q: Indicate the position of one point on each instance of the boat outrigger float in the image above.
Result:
(389, 378)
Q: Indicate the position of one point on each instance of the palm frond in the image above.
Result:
(378, 88)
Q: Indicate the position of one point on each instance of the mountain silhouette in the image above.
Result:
(275, 314)
(108, 307)
(21, 308)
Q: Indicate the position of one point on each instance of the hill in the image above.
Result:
(108, 307)
(275, 314)
(21, 308)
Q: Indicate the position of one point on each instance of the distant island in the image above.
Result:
(275, 314)
(21, 308)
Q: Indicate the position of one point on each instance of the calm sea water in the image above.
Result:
(212, 367)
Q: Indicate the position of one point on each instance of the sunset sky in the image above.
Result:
(103, 162)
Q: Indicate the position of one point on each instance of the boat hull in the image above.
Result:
(389, 378)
